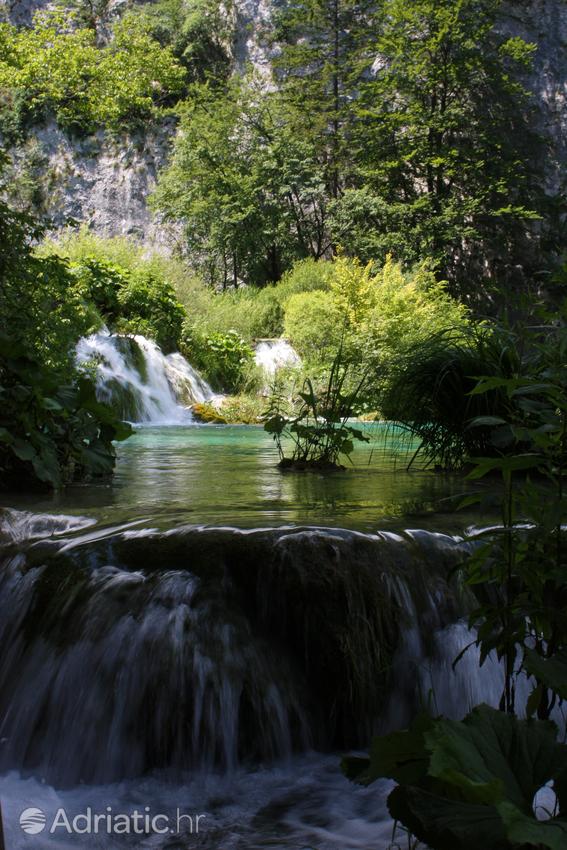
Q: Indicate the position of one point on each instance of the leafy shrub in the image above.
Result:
(377, 312)
(354, 288)
(252, 313)
(52, 429)
(428, 390)
(307, 275)
(51, 433)
(243, 409)
(134, 293)
(148, 306)
(222, 357)
(266, 313)
(314, 325)
(472, 783)
(38, 300)
(406, 307)
(127, 255)
(198, 34)
(99, 282)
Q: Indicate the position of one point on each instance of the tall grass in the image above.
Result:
(428, 391)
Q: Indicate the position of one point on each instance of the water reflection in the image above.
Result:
(229, 475)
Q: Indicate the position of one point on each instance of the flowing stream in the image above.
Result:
(194, 669)
(205, 635)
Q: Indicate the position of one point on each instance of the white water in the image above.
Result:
(158, 642)
(304, 803)
(158, 394)
(274, 354)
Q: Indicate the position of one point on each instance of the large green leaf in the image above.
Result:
(491, 756)
(521, 829)
(444, 824)
(551, 671)
(400, 756)
(470, 785)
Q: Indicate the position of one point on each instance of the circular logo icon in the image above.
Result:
(33, 821)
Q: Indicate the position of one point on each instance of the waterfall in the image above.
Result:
(212, 667)
(274, 354)
(139, 381)
(130, 650)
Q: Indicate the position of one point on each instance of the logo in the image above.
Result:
(137, 822)
(33, 821)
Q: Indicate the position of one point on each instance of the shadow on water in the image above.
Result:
(229, 475)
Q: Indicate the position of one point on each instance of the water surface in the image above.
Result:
(228, 475)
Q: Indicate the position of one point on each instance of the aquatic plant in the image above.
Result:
(318, 429)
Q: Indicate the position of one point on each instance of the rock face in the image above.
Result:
(20, 12)
(105, 182)
(544, 22)
(100, 180)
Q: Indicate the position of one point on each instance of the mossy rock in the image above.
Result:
(123, 399)
(207, 413)
(133, 355)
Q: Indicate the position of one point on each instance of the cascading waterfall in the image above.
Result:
(273, 354)
(139, 381)
(183, 665)
(201, 647)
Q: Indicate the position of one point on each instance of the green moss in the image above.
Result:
(123, 400)
(133, 355)
(204, 412)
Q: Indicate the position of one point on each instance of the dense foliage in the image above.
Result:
(225, 358)
(429, 390)
(472, 784)
(56, 69)
(443, 144)
(245, 186)
(131, 293)
(199, 34)
(148, 306)
(376, 138)
(52, 429)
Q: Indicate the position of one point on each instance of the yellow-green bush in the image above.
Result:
(375, 313)
(405, 308)
(314, 325)
(55, 68)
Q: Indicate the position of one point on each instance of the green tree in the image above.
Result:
(199, 33)
(441, 140)
(323, 45)
(249, 192)
(52, 68)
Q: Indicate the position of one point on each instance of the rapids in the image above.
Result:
(219, 671)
